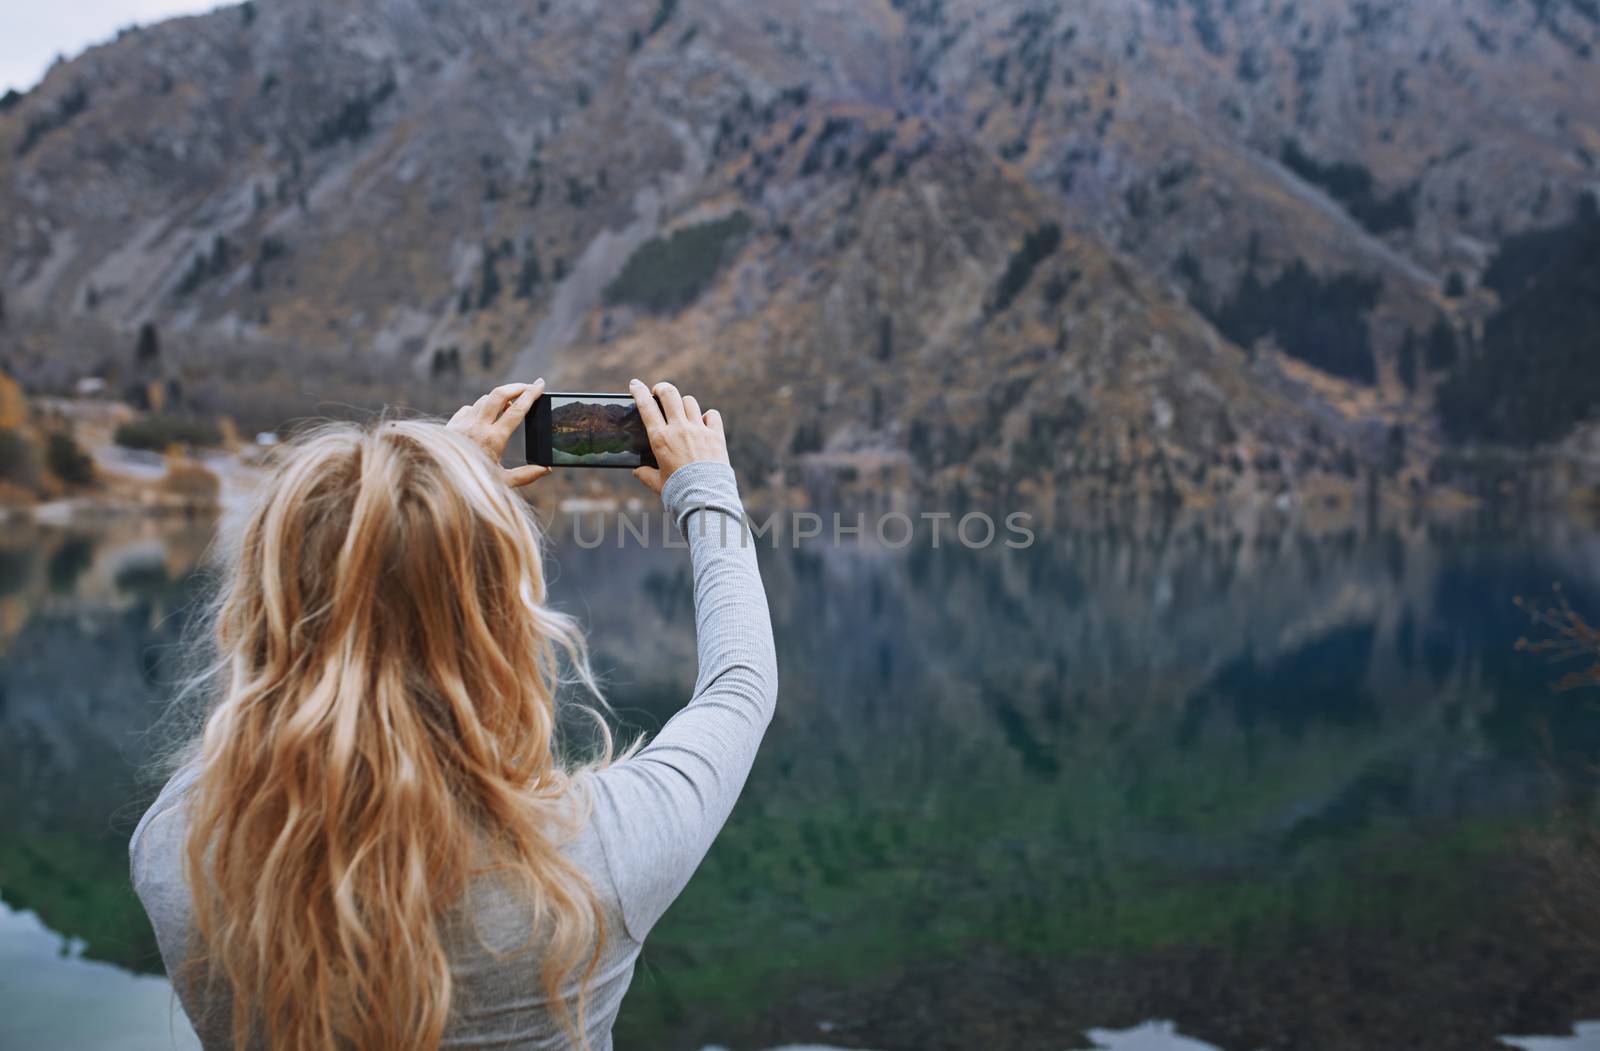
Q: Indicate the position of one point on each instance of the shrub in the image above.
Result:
(67, 460)
(1207, 29)
(1441, 346)
(158, 432)
(530, 275)
(1056, 289)
(1408, 361)
(207, 265)
(1036, 247)
(353, 122)
(668, 273)
(148, 348)
(875, 147)
(489, 279)
(807, 439)
(445, 361)
(815, 154)
(72, 103)
(664, 11)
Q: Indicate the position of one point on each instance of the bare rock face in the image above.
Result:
(1174, 249)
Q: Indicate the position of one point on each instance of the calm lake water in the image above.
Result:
(1285, 787)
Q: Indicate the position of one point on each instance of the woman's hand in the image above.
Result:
(679, 432)
(492, 419)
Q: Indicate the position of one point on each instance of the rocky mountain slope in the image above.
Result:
(1181, 249)
(582, 427)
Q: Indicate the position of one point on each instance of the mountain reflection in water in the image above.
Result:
(1286, 787)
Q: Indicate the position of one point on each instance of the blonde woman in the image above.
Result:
(372, 845)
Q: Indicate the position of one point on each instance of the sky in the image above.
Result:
(33, 34)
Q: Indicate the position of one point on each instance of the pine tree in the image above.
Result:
(148, 349)
(1394, 453)
(1408, 361)
(489, 286)
(1441, 346)
(446, 360)
(530, 275)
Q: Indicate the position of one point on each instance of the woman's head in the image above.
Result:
(381, 731)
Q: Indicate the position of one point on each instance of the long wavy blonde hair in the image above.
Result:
(380, 732)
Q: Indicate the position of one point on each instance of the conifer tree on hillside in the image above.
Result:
(148, 349)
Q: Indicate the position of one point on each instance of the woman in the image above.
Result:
(372, 844)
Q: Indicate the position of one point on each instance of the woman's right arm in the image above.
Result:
(658, 812)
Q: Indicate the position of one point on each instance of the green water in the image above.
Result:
(1289, 788)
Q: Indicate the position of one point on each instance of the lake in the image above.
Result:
(1281, 785)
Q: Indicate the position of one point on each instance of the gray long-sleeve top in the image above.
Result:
(653, 819)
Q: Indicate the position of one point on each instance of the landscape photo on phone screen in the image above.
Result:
(596, 432)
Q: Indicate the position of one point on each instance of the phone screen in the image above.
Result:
(597, 430)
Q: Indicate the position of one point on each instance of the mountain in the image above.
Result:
(584, 428)
(1175, 249)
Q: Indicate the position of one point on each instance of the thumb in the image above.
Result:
(520, 476)
(650, 476)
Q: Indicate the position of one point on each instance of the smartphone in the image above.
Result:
(588, 430)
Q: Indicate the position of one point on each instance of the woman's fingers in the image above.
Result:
(517, 409)
(491, 405)
(650, 476)
(680, 433)
(649, 411)
(520, 476)
(489, 422)
(671, 401)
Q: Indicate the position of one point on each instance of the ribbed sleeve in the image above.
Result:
(657, 812)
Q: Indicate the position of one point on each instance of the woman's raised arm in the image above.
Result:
(658, 811)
